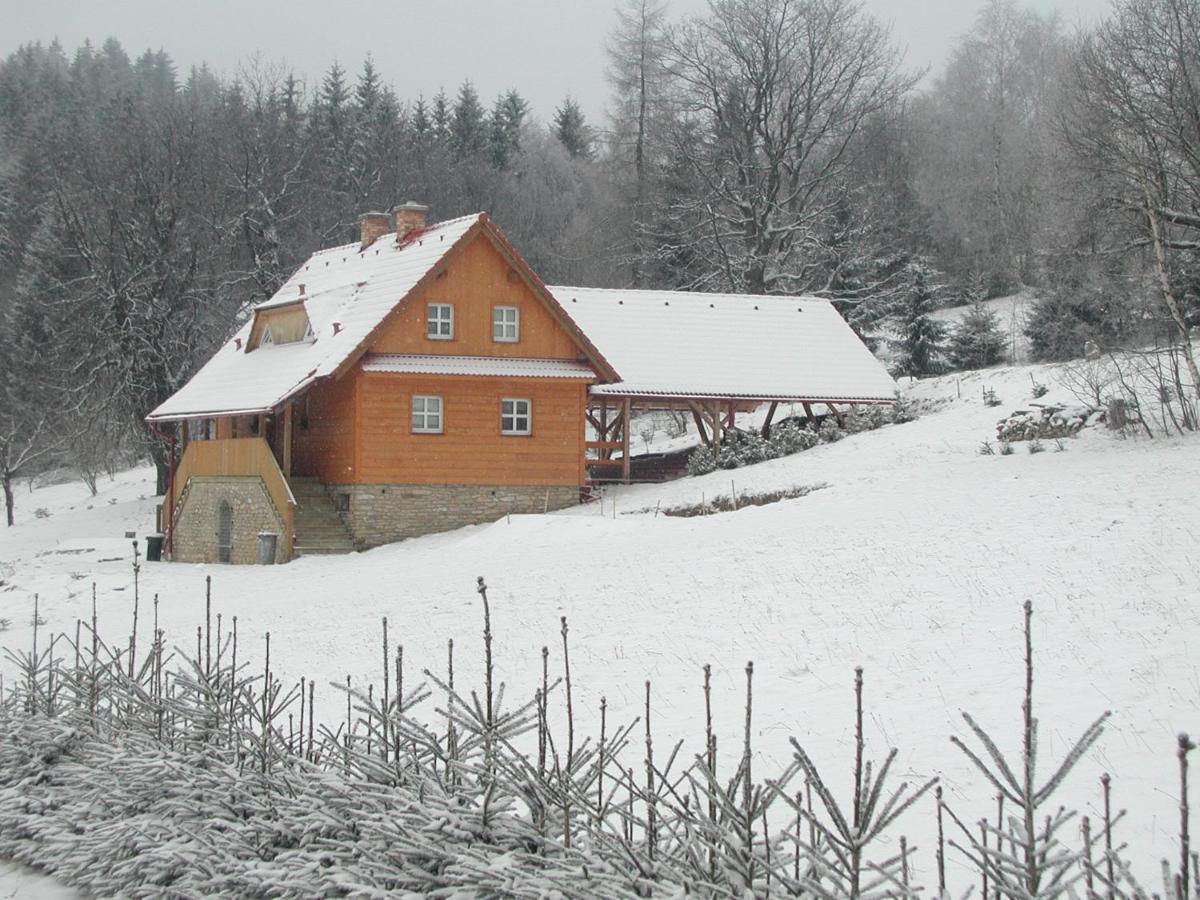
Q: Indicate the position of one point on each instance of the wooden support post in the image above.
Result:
(287, 439)
(766, 428)
(626, 410)
(837, 414)
(604, 426)
(700, 427)
(729, 421)
(808, 413)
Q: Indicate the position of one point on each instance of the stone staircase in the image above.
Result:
(319, 528)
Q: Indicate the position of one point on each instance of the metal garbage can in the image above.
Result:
(154, 547)
(266, 547)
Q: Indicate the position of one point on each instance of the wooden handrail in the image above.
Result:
(240, 457)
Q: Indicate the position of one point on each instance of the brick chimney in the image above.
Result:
(409, 217)
(374, 225)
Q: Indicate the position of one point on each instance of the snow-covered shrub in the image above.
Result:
(830, 432)
(902, 410)
(855, 422)
(728, 456)
(1046, 422)
(1006, 449)
(702, 461)
(790, 438)
(990, 398)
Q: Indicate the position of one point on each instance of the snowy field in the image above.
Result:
(914, 563)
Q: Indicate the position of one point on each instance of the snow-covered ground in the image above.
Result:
(914, 563)
(19, 882)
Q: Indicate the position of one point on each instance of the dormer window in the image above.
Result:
(439, 321)
(266, 340)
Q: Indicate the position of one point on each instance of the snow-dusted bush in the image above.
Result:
(902, 410)
(866, 418)
(829, 432)
(743, 448)
(702, 461)
(790, 438)
(1046, 422)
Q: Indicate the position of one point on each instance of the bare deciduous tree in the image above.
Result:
(776, 95)
(1135, 123)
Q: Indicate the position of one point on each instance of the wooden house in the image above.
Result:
(424, 378)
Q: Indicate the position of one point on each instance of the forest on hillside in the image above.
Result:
(763, 147)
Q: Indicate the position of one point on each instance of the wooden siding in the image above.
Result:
(326, 448)
(239, 457)
(471, 450)
(478, 279)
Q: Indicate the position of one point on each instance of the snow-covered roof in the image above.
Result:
(684, 344)
(644, 343)
(347, 294)
(404, 363)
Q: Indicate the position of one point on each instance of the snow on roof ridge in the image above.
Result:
(555, 288)
(353, 246)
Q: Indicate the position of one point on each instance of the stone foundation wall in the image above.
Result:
(195, 535)
(381, 513)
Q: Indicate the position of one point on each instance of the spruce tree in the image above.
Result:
(921, 335)
(572, 130)
(504, 127)
(468, 130)
(977, 341)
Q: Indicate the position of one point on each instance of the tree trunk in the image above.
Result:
(161, 476)
(1160, 262)
(8, 496)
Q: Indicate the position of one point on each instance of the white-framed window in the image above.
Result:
(266, 340)
(426, 415)
(439, 321)
(516, 417)
(506, 324)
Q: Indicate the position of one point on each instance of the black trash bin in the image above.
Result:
(154, 547)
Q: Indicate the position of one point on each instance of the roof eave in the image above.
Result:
(604, 390)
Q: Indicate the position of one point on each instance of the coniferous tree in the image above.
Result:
(468, 127)
(504, 127)
(572, 130)
(977, 341)
(921, 335)
(440, 116)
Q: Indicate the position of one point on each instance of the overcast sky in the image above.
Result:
(543, 48)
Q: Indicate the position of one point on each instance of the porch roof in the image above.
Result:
(679, 344)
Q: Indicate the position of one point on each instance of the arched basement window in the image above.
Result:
(224, 531)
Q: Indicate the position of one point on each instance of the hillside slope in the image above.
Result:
(913, 562)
